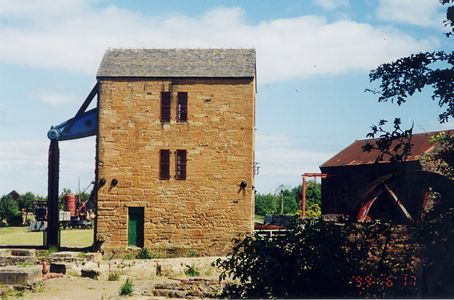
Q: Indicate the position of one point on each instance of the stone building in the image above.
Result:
(175, 149)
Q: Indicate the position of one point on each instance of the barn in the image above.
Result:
(356, 186)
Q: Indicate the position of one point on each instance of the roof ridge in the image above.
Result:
(179, 62)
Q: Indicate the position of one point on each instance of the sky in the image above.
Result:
(313, 61)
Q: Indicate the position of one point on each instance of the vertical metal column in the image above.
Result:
(52, 195)
(303, 200)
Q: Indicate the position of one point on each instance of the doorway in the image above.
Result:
(135, 226)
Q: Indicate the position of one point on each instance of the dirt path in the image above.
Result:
(75, 288)
(171, 282)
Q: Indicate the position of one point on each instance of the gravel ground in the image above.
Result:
(141, 272)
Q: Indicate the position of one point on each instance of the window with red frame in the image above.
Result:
(165, 106)
(182, 107)
(181, 165)
(164, 164)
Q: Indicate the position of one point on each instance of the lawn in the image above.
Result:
(20, 236)
(259, 218)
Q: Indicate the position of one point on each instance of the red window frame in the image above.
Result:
(165, 106)
(181, 165)
(164, 164)
(182, 107)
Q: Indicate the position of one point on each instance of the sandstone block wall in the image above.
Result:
(207, 210)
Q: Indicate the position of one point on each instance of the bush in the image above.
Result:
(146, 253)
(316, 259)
(191, 271)
(8, 208)
(126, 288)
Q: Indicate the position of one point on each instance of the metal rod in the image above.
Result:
(303, 200)
(52, 195)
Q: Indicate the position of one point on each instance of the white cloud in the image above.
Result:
(283, 159)
(332, 4)
(54, 97)
(39, 10)
(23, 164)
(424, 13)
(286, 48)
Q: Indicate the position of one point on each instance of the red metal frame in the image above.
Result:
(303, 197)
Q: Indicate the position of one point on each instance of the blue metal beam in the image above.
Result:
(83, 124)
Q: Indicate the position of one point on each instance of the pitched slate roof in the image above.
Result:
(354, 155)
(215, 63)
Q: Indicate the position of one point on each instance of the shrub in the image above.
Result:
(316, 259)
(146, 253)
(191, 271)
(126, 288)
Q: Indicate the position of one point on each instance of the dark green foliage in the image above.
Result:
(325, 259)
(442, 159)
(266, 204)
(191, 271)
(146, 253)
(392, 146)
(82, 196)
(308, 262)
(271, 204)
(436, 233)
(405, 76)
(322, 259)
(8, 208)
(127, 288)
(27, 201)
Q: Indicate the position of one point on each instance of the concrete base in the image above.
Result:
(20, 275)
(10, 257)
(70, 257)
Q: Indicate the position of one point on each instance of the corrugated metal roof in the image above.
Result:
(215, 63)
(354, 155)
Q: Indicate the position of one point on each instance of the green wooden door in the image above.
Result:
(135, 226)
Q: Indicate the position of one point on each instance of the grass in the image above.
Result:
(259, 218)
(113, 276)
(20, 236)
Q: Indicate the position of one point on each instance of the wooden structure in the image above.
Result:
(357, 186)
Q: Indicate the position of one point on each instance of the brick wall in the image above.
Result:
(205, 211)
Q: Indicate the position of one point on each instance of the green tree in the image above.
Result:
(266, 204)
(27, 201)
(8, 208)
(442, 159)
(398, 81)
(271, 203)
(401, 79)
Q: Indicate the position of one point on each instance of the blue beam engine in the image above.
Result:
(83, 124)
